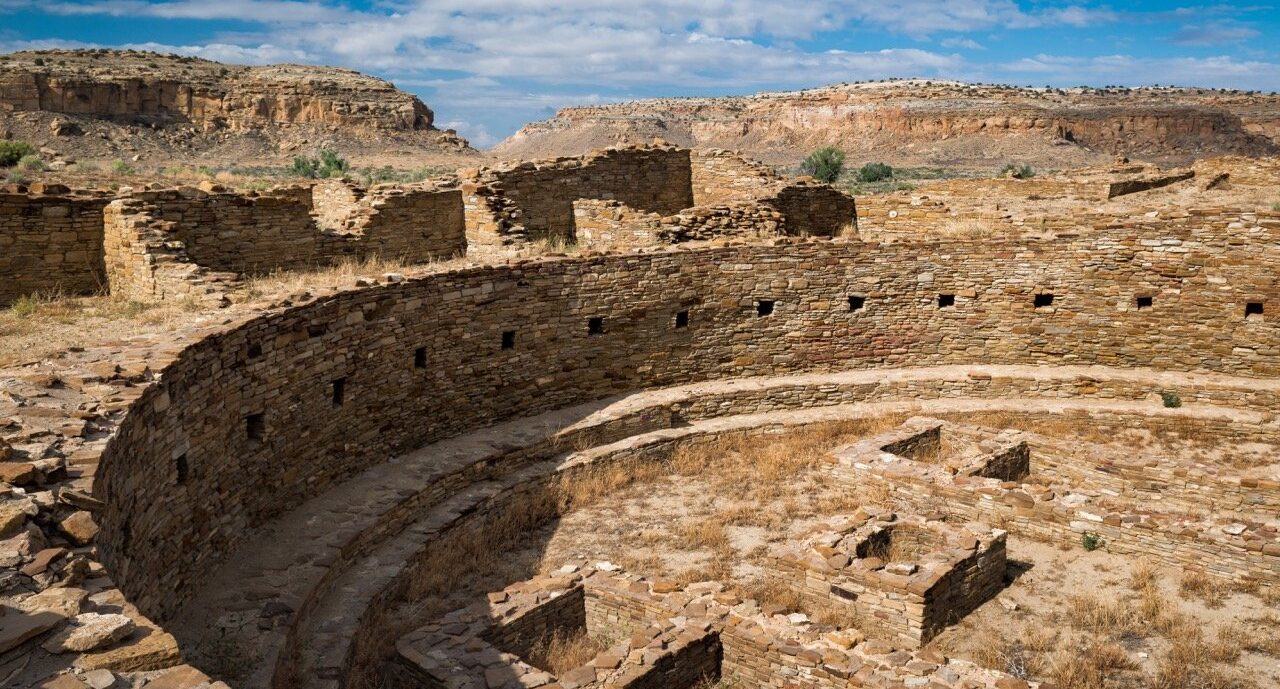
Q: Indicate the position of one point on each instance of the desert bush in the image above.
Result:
(874, 172)
(1276, 206)
(1171, 399)
(1090, 541)
(121, 168)
(328, 164)
(1017, 171)
(15, 177)
(31, 163)
(824, 164)
(13, 151)
(25, 306)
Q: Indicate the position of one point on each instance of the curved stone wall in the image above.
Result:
(248, 423)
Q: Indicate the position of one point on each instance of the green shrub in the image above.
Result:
(1017, 171)
(1090, 541)
(305, 167)
(39, 62)
(824, 164)
(15, 177)
(13, 151)
(31, 163)
(121, 168)
(25, 306)
(1171, 399)
(874, 172)
(1276, 206)
(329, 164)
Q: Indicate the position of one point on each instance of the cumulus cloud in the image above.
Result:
(958, 42)
(1214, 33)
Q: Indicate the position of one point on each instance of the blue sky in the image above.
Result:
(488, 66)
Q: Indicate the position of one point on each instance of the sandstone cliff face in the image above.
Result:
(934, 122)
(147, 88)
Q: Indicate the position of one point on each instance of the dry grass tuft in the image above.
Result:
(1095, 666)
(1197, 584)
(772, 591)
(708, 535)
(563, 650)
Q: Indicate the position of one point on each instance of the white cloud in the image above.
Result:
(266, 11)
(1219, 71)
(957, 42)
(477, 134)
(1214, 33)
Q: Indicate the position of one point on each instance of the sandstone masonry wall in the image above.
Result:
(166, 243)
(499, 342)
(50, 242)
(534, 200)
(721, 177)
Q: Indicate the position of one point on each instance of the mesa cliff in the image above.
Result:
(89, 99)
(931, 122)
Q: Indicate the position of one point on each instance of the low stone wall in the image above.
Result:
(903, 592)
(334, 201)
(533, 201)
(814, 210)
(50, 243)
(171, 243)
(1057, 505)
(608, 224)
(627, 196)
(692, 634)
(722, 178)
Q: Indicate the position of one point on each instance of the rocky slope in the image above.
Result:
(931, 122)
(100, 103)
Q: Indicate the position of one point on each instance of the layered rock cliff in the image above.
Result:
(82, 89)
(918, 122)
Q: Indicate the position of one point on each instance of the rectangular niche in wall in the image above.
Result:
(764, 307)
(1144, 302)
(338, 391)
(856, 302)
(420, 357)
(255, 427)
(595, 325)
(682, 319)
(181, 468)
(1043, 301)
(509, 339)
(1253, 309)
(945, 300)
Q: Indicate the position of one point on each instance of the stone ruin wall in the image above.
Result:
(334, 201)
(281, 366)
(165, 244)
(638, 193)
(50, 243)
(534, 200)
(723, 178)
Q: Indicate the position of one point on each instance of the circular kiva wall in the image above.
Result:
(246, 424)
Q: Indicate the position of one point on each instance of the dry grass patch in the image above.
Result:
(1210, 590)
(772, 591)
(563, 650)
